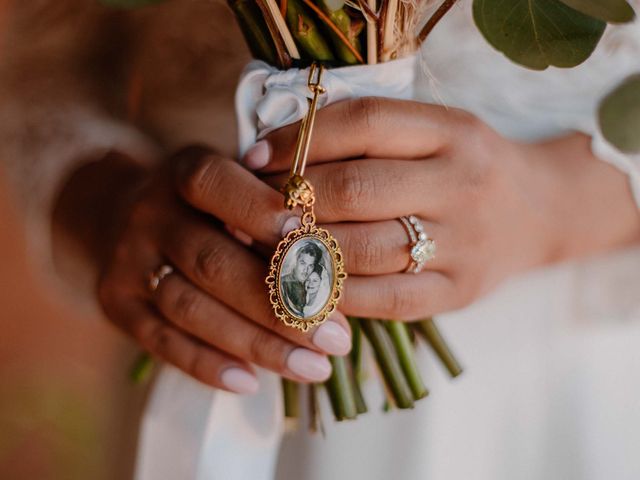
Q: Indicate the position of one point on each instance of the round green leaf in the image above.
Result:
(619, 115)
(128, 3)
(538, 33)
(613, 11)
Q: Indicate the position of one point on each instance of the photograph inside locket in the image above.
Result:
(306, 278)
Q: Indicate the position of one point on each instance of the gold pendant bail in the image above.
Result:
(298, 190)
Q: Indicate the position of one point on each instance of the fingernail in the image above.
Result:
(239, 381)
(309, 365)
(239, 235)
(332, 338)
(258, 156)
(291, 224)
(242, 237)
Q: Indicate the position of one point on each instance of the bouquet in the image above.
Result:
(341, 34)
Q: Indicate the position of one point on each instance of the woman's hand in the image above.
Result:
(493, 206)
(211, 316)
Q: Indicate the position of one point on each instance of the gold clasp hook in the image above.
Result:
(299, 191)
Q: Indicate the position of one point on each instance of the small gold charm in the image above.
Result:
(307, 273)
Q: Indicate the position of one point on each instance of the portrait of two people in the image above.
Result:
(306, 279)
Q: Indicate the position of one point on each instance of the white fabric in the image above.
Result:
(551, 389)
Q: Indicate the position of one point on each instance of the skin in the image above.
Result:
(303, 267)
(312, 284)
(495, 208)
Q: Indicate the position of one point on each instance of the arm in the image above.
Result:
(60, 111)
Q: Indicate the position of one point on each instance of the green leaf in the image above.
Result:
(128, 3)
(613, 11)
(619, 115)
(538, 33)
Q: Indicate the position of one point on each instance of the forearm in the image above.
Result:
(589, 202)
(59, 113)
(90, 207)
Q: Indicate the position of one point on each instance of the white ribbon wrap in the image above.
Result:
(191, 431)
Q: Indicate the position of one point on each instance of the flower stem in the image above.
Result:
(290, 390)
(315, 415)
(435, 18)
(344, 33)
(399, 334)
(255, 30)
(356, 364)
(142, 368)
(340, 389)
(388, 362)
(428, 330)
(306, 32)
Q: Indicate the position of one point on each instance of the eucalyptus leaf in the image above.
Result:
(538, 33)
(614, 11)
(128, 3)
(619, 115)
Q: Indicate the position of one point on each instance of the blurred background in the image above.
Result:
(67, 407)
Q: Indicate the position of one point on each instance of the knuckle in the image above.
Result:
(364, 251)
(211, 264)
(157, 340)
(404, 304)
(364, 112)
(201, 179)
(468, 120)
(351, 190)
(264, 350)
(186, 307)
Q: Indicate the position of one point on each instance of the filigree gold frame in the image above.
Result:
(308, 230)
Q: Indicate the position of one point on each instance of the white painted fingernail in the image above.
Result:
(257, 156)
(239, 381)
(332, 338)
(309, 365)
(239, 235)
(291, 224)
(242, 237)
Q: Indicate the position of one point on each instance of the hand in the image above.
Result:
(490, 204)
(211, 316)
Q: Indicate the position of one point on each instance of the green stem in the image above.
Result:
(428, 330)
(306, 32)
(255, 30)
(351, 31)
(361, 404)
(399, 333)
(290, 390)
(388, 362)
(340, 389)
(142, 368)
(356, 364)
(315, 415)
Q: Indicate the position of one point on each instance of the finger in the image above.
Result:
(364, 127)
(226, 190)
(202, 362)
(205, 318)
(234, 275)
(400, 296)
(369, 190)
(377, 248)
